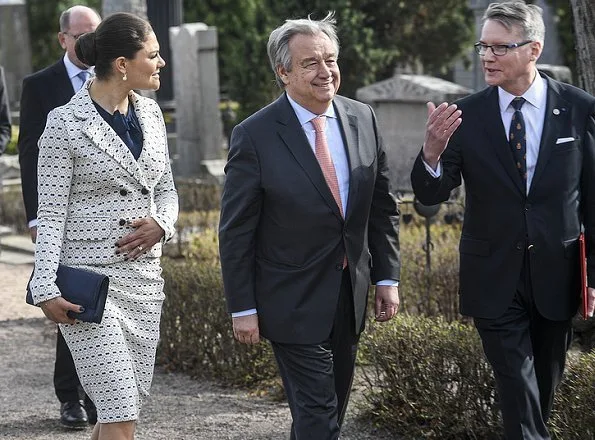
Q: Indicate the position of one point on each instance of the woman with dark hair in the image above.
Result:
(107, 203)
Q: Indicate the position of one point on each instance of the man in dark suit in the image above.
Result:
(306, 221)
(525, 147)
(42, 92)
(5, 126)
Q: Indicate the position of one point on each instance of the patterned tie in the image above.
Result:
(83, 75)
(518, 138)
(323, 156)
(324, 159)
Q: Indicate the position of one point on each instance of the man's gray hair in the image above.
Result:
(278, 45)
(528, 18)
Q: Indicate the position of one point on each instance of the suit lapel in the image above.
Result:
(496, 135)
(103, 136)
(553, 123)
(62, 84)
(295, 139)
(348, 124)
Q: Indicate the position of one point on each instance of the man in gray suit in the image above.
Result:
(525, 147)
(307, 221)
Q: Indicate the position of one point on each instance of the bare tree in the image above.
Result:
(583, 12)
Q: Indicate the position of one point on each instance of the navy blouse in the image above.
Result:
(127, 127)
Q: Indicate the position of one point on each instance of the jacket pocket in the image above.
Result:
(474, 247)
(88, 228)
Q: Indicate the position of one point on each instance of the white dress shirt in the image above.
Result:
(534, 115)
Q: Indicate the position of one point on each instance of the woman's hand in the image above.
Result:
(56, 309)
(147, 232)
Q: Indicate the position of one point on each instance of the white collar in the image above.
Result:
(71, 69)
(535, 95)
(304, 115)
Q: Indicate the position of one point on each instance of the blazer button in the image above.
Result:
(519, 246)
(123, 192)
(144, 191)
(122, 222)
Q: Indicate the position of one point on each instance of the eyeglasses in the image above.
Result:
(75, 37)
(497, 49)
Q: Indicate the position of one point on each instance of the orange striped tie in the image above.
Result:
(323, 156)
(327, 166)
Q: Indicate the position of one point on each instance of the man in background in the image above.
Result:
(42, 92)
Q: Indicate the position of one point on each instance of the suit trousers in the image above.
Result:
(527, 353)
(318, 377)
(66, 381)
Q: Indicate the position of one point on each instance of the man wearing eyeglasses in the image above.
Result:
(525, 147)
(42, 92)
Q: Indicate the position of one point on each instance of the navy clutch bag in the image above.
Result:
(82, 287)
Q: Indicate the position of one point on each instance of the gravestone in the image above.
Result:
(137, 7)
(400, 106)
(198, 151)
(15, 50)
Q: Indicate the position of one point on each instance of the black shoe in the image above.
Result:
(73, 415)
(91, 411)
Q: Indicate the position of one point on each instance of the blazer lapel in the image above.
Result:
(496, 135)
(103, 136)
(557, 112)
(348, 124)
(293, 136)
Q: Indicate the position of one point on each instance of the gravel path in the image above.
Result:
(180, 408)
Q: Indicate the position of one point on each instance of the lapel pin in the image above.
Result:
(556, 111)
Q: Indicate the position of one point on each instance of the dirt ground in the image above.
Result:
(180, 408)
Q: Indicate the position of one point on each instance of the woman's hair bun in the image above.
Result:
(85, 48)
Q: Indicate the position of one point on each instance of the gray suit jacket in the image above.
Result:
(282, 237)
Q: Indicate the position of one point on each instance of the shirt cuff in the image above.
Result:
(433, 173)
(243, 313)
(393, 283)
(32, 223)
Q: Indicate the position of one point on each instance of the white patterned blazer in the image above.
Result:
(90, 185)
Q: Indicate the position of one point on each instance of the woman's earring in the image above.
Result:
(124, 78)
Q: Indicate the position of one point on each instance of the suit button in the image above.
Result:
(122, 222)
(527, 207)
(123, 192)
(519, 245)
(339, 266)
(144, 191)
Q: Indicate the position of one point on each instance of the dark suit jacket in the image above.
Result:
(282, 237)
(42, 92)
(5, 127)
(501, 222)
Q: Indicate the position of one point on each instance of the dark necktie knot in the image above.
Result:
(517, 103)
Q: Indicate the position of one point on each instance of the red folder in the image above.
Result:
(583, 263)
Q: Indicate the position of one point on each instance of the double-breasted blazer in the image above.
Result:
(502, 222)
(282, 236)
(90, 186)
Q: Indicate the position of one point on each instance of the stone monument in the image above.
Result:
(15, 50)
(198, 151)
(400, 106)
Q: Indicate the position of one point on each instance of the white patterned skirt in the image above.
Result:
(115, 359)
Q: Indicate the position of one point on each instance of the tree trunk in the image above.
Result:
(584, 29)
(137, 7)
